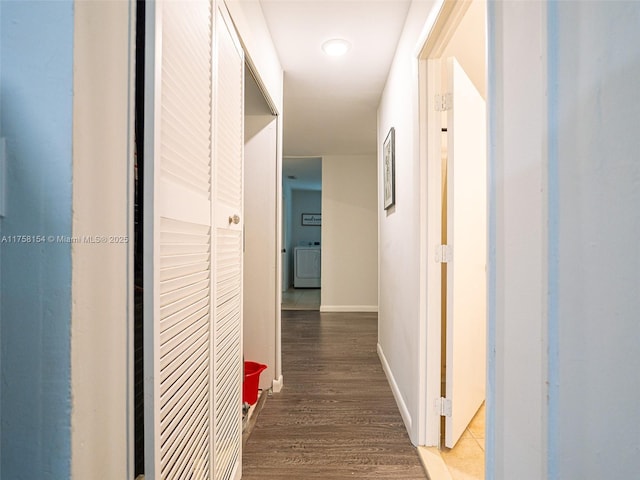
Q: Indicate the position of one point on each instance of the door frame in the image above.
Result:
(439, 29)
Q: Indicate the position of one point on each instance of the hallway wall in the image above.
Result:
(399, 335)
(349, 234)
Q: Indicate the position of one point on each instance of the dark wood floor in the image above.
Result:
(336, 417)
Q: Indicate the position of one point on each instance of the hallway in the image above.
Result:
(336, 416)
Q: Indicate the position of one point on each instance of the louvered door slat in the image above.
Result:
(187, 259)
(181, 375)
(186, 280)
(187, 415)
(201, 306)
(183, 303)
(170, 237)
(183, 320)
(173, 350)
(177, 406)
(184, 292)
(183, 464)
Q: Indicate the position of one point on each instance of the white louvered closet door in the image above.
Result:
(178, 241)
(228, 223)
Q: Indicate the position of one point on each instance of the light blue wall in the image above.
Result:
(565, 189)
(594, 239)
(36, 94)
(305, 201)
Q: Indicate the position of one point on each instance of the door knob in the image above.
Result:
(235, 220)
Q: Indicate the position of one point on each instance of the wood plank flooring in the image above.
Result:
(336, 417)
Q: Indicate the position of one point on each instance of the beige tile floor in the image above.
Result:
(466, 460)
(463, 462)
(301, 299)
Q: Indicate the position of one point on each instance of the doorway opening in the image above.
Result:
(453, 144)
(301, 233)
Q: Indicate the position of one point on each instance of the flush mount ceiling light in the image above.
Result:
(336, 47)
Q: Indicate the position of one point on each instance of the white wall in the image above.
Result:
(564, 110)
(349, 234)
(102, 322)
(399, 326)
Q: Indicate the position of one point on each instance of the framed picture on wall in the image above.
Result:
(312, 219)
(389, 152)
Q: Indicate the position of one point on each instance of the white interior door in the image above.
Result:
(228, 238)
(177, 240)
(466, 234)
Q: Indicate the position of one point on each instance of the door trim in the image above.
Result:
(440, 27)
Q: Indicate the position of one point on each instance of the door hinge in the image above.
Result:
(444, 102)
(444, 254)
(444, 407)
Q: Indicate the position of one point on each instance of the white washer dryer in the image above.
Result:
(306, 266)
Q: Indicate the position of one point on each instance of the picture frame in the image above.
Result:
(312, 219)
(389, 166)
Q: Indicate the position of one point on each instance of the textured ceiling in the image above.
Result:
(330, 103)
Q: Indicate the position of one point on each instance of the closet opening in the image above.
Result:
(261, 259)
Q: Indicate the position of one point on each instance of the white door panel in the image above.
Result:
(466, 234)
(193, 254)
(228, 223)
(178, 240)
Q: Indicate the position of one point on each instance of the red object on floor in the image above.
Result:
(252, 372)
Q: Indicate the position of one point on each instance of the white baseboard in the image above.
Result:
(276, 386)
(349, 308)
(402, 406)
